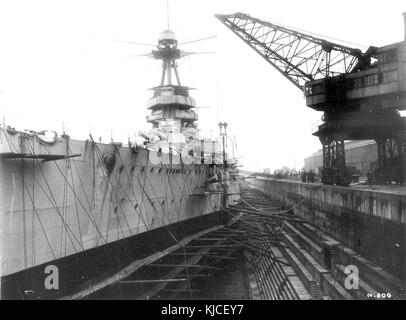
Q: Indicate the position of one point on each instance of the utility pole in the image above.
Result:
(223, 134)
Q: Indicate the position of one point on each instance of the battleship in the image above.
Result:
(76, 215)
(170, 214)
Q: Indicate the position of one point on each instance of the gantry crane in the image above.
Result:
(360, 93)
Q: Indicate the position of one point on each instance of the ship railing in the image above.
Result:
(76, 129)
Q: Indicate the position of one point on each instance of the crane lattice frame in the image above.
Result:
(298, 56)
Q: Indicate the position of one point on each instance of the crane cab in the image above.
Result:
(381, 86)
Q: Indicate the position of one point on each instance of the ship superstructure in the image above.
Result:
(171, 106)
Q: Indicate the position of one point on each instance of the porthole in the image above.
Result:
(109, 161)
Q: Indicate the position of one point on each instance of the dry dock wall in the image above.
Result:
(372, 223)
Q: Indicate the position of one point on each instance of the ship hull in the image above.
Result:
(84, 209)
(79, 271)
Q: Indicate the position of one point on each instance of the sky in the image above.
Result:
(62, 68)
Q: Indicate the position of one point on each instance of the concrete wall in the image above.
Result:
(371, 223)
